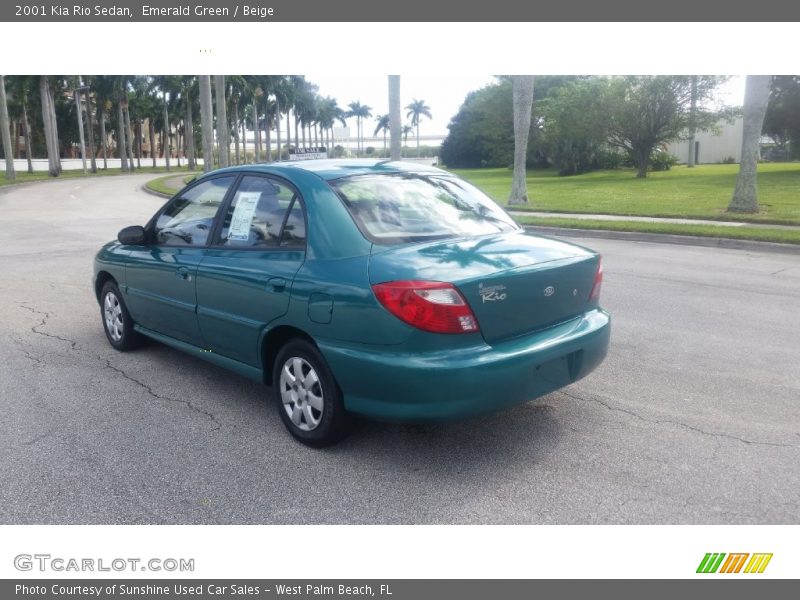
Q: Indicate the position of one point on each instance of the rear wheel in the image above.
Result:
(309, 400)
(117, 321)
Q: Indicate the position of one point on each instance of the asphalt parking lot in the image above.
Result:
(693, 418)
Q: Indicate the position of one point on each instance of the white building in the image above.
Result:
(712, 147)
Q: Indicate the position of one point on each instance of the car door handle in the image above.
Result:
(183, 273)
(276, 284)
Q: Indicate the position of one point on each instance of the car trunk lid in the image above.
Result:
(515, 283)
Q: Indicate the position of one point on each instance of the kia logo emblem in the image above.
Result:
(549, 290)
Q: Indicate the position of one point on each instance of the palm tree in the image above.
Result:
(207, 122)
(20, 86)
(8, 150)
(405, 131)
(50, 127)
(383, 125)
(394, 117)
(522, 95)
(187, 93)
(237, 88)
(103, 88)
(416, 110)
(360, 112)
(223, 128)
(756, 99)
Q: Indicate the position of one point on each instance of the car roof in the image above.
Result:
(335, 168)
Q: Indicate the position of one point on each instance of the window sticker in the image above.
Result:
(242, 218)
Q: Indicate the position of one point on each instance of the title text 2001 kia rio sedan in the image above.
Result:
(382, 289)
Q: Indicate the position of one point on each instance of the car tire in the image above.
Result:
(307, 396)
(117, 322)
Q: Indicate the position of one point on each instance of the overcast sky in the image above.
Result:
(443, 93)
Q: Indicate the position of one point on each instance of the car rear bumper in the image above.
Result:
(452, 384)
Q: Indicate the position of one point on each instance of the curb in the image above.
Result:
(668, 238)
(154, 192)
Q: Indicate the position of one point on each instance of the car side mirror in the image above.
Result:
(133, 235)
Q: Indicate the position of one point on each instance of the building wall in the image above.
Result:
(713, 148)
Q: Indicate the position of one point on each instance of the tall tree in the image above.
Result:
(416, 110)
(756, 98)
(51, 140)
(394, 117)
(647, 112)
(782, 121)
(223, 128)
(692, 125)
(382, 126)
(207, 122)
(522, 97)
(8, 149)
(360, 112)
(187, 86)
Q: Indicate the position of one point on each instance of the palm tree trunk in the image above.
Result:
(54, 129)
(166, 130)
(394, 117)
(151, 127)
(178, 143)
(256, 134)
(236, 129)
(207, 122)
(522, 92)
(191, 156)
(26, 127)
(123, 157)
(129, 136)
(296, 125)
(222, 122)
(418, 138)
(278, 124)
(244, 138)
(692, 127)
(101, 116)
(16, 127)
(267, 128)
(90, 131)
(8, 149)
(139, 144)
(756, 99)
(288, 130)
(48, 127)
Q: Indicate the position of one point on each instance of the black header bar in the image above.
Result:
(307, 11)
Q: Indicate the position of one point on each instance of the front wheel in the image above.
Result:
(308, 398)
(117, 321)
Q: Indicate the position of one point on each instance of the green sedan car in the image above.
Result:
(383, 289)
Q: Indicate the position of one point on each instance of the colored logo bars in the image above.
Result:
(734, 562)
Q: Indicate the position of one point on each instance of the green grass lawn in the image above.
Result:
(703, 192)
(163, 185)
(25, 177)
(747, 232)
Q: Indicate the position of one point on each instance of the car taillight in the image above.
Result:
(598, 281)
(428, 305)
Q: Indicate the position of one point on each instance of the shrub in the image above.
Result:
(662, 161)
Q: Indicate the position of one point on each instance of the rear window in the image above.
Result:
(403, 207)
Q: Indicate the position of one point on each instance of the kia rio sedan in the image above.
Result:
(382, 289)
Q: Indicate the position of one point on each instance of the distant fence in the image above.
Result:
(71, 164)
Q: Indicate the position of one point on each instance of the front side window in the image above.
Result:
(261, 210)
(188, 219)
(409, 207)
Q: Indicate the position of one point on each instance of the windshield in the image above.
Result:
(408, 207)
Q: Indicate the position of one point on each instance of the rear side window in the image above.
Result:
(393, 208)
(187, 220)
(260, 211)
